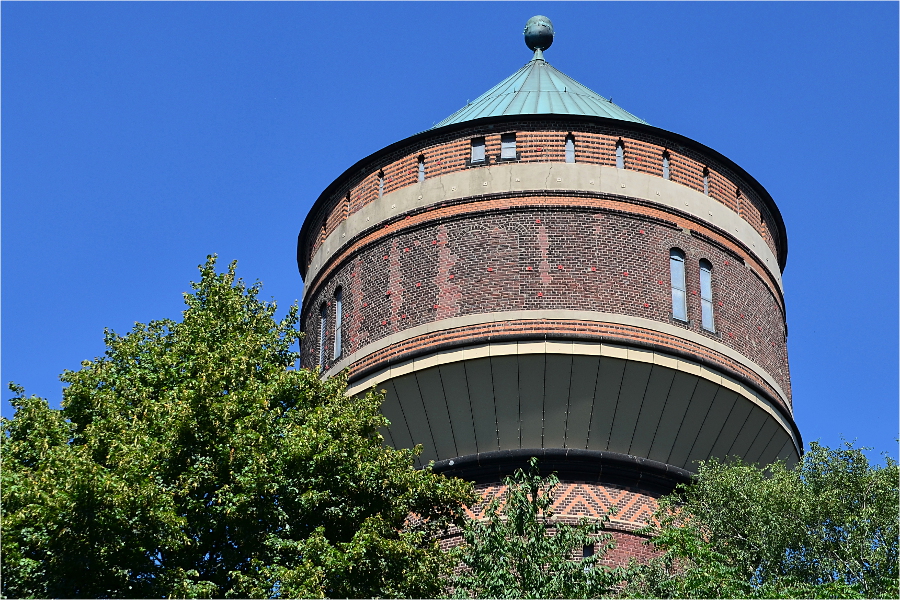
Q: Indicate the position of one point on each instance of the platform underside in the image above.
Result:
(595, 398)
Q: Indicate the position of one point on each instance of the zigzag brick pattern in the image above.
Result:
(577, 500)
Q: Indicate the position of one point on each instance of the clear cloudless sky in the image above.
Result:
(139, 137)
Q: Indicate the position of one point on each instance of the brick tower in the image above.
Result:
(543, 273)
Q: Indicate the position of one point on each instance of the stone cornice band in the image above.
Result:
(559, 314)
(561, 177)
(579, 348)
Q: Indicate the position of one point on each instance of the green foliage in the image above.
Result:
(192, 460)
(825, 529)
(521, 551)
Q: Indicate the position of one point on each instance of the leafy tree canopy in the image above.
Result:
(825, 529)
(192, 460)
(519, 550)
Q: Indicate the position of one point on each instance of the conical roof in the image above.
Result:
(539, 88)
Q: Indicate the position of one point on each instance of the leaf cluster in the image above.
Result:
(827, 528)
(192, 460)
(520, 550)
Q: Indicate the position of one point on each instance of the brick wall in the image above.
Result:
(531, 258)
(542, 142)
(577, 500)
(574, 500)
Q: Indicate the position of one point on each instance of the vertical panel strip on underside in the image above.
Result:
(690, 426)
(628, 407)
(766, 433)
(651, 411)
(748, 432)
(557, 380)
(394, 413)
(787, 453)
(436, 409)
(761, 444)
(609, 380)
(531, 398)
(581, 400)
(481, 395)
(419, 428)
(388, 438)
(732, 427)
(770, 454)
(673, 414)
(505, 374)
(712, 425)
(456, 392)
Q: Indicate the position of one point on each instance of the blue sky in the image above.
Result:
(139, 137)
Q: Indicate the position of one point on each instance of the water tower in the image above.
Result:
(544, 273)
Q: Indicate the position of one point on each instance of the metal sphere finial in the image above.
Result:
(538, 33)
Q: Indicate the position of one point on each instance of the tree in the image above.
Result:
(825, 529)
(193, 460)
(520, 551)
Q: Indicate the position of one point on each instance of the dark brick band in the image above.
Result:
(592, 466)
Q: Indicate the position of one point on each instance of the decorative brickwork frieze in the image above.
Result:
(543, 142)
(630, 509)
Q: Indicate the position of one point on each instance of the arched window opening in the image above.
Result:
(421, 168)
(380, 184)
(620, 154)
(679, 289)
(338, 319)
(508, 146)
(477, 150)
(570, 148)
(706, 300)
(665, 164)
(706, 180)
(323, 325)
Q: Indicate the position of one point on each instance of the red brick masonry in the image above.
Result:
(541, 250)
(577, 500)
(571, 257)
(540, 142)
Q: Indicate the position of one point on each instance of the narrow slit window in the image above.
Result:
(338, 317)
(421, 168)
(477, 150)
(323, 325)
(665, 164)
(706, 300)
(508, 146)
(706, 181)
(620, 154)
(380, 184)
(570, 148)
(679, 291)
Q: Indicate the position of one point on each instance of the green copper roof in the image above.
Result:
(538, 88)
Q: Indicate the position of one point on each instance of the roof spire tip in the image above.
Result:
(538, 35)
